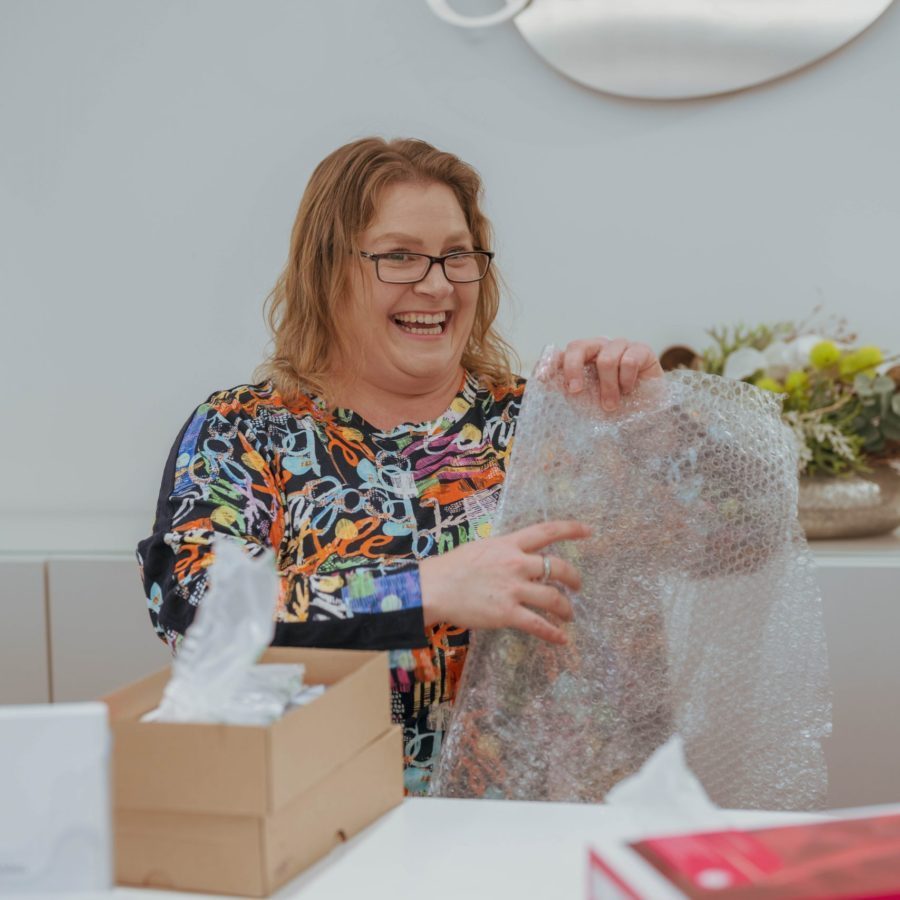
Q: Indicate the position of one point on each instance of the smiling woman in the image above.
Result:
(373, 198)
(372, 450)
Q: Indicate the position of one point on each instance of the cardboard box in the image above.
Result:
(853, 857)
(239, 809)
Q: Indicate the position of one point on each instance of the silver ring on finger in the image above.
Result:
(546, 576)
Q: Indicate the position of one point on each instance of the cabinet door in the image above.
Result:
(862, 623)
(100, 632)
(23, 632)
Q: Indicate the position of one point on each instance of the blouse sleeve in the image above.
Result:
(218, 480)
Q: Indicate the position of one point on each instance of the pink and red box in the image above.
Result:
(856, 857)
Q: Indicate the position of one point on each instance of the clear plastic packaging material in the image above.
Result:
(699, 613)
(264, 693)
(306, 695)
(214, 678)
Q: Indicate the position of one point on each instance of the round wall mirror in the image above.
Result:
(676, 49)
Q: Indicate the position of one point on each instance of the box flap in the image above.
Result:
(194, 768)
(310, 742)
(137, 698)
(352, 796)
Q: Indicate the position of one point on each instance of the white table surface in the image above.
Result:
(448, 849)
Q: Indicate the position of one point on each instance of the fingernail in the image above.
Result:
(608, 405)
(575, 385)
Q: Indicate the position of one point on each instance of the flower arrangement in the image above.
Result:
(842, 401)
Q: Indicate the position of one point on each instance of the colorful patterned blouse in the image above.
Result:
(349, 510)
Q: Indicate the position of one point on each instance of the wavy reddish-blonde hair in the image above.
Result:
(339, 203)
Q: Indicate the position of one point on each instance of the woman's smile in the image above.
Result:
(429, 325)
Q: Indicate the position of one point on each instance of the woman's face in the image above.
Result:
(405, 356)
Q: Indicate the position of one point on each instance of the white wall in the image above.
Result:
(152, 157)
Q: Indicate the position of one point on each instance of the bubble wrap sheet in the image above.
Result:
(699, 612)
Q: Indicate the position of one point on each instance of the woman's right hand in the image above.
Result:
(497, 582)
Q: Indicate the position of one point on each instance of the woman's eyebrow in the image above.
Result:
(409, 239)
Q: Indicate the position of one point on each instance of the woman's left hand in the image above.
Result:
(620, 363)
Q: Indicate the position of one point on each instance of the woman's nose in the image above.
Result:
(435, 282)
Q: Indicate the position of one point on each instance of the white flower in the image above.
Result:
(802, 347)
(788, 356)
(743, 363)
(779, 359)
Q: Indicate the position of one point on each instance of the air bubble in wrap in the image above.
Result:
(699, 612)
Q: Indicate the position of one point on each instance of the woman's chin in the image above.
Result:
(428, 363)
(429, 348)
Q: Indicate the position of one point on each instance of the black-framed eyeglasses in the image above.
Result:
(460, 267)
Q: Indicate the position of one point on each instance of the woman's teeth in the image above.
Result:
(422, 323)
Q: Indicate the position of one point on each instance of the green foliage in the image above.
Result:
(836, 447)
(727, 340)
(877, 417)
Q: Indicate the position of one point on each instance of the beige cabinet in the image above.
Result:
(862, 626)
(100, 632)
(24, 676)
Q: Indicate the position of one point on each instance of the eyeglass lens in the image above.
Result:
(406, 267)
